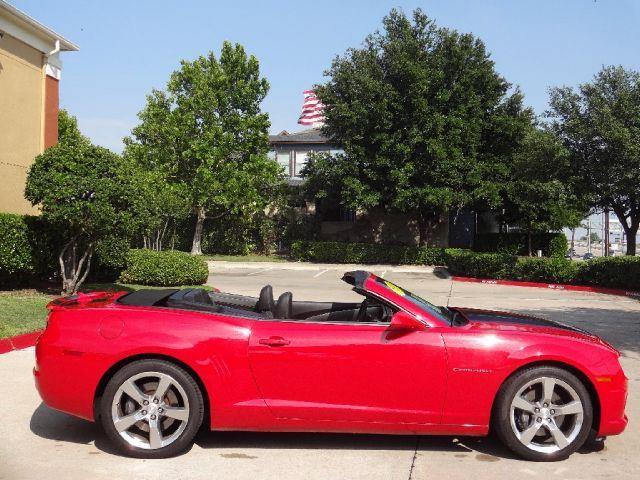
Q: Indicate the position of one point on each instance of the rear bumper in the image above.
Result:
(63, 380)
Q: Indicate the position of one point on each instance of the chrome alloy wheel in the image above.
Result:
(546, 415)
(150, 410)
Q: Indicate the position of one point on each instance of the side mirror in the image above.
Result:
(404, 321)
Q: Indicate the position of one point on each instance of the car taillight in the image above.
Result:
(80, 300)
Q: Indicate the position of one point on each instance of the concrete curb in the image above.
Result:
(19, 342)
(343, 267)
(551, 286)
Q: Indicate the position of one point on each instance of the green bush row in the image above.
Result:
(482, 265)
(29, 248)
(609, 272)
(366, 253)
(516, 243)
(166, 268)
(16, 257)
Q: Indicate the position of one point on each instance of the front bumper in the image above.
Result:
(613, 400)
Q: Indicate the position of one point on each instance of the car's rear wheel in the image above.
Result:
(152, 409)
(543, 413)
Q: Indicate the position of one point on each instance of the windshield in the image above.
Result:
(443, 313)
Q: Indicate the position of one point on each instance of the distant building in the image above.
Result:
(291, 150)
(30, 69)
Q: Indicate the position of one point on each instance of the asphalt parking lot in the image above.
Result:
(38, 442)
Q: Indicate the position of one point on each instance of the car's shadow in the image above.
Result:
(60, 427)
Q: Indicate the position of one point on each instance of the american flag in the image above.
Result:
(312, 110)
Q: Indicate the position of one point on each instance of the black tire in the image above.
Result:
(185, 381)
(501, 419)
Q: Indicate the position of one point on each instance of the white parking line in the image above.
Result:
(260, 271)
(320, 273)
(383, 274)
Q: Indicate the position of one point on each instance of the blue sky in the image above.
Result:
(129, 47)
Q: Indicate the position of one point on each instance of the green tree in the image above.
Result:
(84, 191)
(158, 206)
(537, 196)
(599, 123)
(426, 123)
(68, 131)
(207, 133)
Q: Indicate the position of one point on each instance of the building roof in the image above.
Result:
(28, 30)
(311, 135)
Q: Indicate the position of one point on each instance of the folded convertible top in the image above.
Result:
(146, 298)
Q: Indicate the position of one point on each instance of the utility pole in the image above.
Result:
(606, 233)
(589, 234)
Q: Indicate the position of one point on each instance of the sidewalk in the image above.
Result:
(344, 267)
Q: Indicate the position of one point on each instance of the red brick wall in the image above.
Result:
(51, 96)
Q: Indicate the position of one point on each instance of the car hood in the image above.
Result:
(516, 321)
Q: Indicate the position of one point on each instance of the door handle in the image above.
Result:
(274, 341)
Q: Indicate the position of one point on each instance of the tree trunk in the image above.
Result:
(426, 226)
(631, 231)
(631, 243)
(529, 242)
(196, 247)
(573, 238)
(74, 272)
(630, 226)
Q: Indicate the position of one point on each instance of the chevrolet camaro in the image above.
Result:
(153, 366)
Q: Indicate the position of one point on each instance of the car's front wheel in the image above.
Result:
(543, 413)
(152, 409)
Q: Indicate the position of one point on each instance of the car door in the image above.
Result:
(350, 372)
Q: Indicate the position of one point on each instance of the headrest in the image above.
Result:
(284, 306)
(265, 301)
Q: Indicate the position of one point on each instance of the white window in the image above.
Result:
(283, 159)
(301, 161)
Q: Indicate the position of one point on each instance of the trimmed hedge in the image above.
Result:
(109, 259)
(612, 272)
(550, 270)
(516, 243)
(481, 265)
(367, 253)
(164, 269)
(17, 263)
(609, 272)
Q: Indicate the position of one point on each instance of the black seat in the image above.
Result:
(284, 306)
(265, 300)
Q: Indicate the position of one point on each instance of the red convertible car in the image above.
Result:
(153, 365)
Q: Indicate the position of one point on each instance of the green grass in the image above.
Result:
(23, 311)
(252, 257)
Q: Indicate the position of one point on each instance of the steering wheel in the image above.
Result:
(362, 312)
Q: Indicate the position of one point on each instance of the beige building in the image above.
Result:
(30, 70)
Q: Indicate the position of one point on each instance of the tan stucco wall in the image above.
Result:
(21, 117)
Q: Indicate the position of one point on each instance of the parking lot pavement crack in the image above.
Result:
(413, 460)
(450, 291)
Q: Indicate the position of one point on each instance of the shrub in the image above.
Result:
(367, 253)
(558, 245)
(481, 265)
(551, 270)
(17, 263)
(516, 243)
(611, 272)
(168, 268)
(28, 246)
(110, 258)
